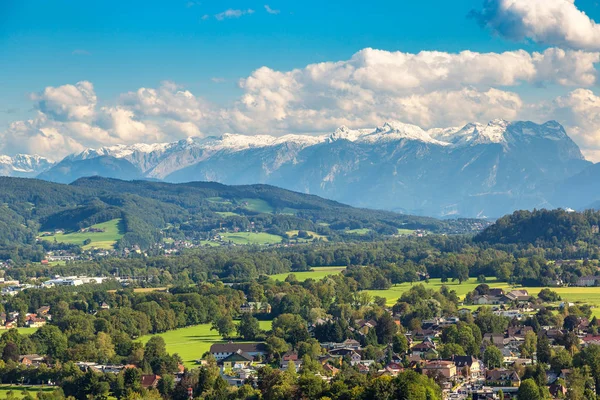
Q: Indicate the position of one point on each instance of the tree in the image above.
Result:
(529, 345)
(104, 347)
(400, 343)
(562, 360)
(248, 328)
(276, 346)
(544, 350)
(529, 390)
(10, 352)
(50, 341)
(386, 328)
(224, 325)
(492, 357)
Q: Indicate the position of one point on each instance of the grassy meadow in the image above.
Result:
(251, 238)
(589, 295)
(193, 341)
(113, 231)
(257, 205)
(317, 273)
(315, 236)
(18, 390)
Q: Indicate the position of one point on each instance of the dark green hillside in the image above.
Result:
(194, 211)
(543, 228)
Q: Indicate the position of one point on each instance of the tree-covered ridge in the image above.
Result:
(544, 228)
(192, 211)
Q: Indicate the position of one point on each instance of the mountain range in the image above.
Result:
(478, 170)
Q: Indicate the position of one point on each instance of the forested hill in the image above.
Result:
(150, 210)
(545, 228)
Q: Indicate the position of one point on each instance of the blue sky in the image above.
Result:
(122, 46)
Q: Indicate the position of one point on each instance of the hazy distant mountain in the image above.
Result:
(476, 170)
(105, 166)
(23, 165)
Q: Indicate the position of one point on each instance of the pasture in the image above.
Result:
(316, 273)
(586, 295)
(359, 232)
(257, 205)
(292, 235)
(19, 391)
(193, 341)
(251, 238)
(112, 231)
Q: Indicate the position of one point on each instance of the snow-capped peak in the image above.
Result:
(23, 164)
(391, 131)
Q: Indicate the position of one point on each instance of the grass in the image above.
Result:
(17, 390)
(314, 235)
(251, 238)
(316, 273)
(257, 205)
(191, 342)
(113, 231)
(226, 214)
(360, 232)
(218, 200)
(585, 295)
(405, 231)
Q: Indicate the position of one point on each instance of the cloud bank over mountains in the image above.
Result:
(429, 89)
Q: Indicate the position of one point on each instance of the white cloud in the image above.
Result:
(551, 22)
(430, 89)
(67, 102)
(231, 13)
(270, 10)
(579, 111)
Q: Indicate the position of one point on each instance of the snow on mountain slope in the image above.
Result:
(23, 165)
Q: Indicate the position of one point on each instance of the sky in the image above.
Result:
(77, 74)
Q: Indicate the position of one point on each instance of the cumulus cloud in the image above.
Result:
(231, 13)
(550, 22)
(579, 111)
(67, 102)
(430, 89)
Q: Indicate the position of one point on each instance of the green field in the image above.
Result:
(218, 200)
(192, 342)
(251, 238)
(317, 273)
(587, 295)
(17, 390)
(360, 232)
(226, 214)
(405, 231)
(314, 235)
(257, 205)
(113, 231)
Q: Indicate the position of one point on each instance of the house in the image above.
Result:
(497, 339)
(589, 280)
(222, 350)
(35, 322)
(467, 365)
(486, 300)
(238, 359)
(518, 296)
(256, 308)
(354, 356)
(422, 348)
(557, 391)
(363, 326)
(31, 360)
(446, 368)
(290, 357)
(591, 339)
(104, 306)
(150, 381)
(502, 377)
(43, 311)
